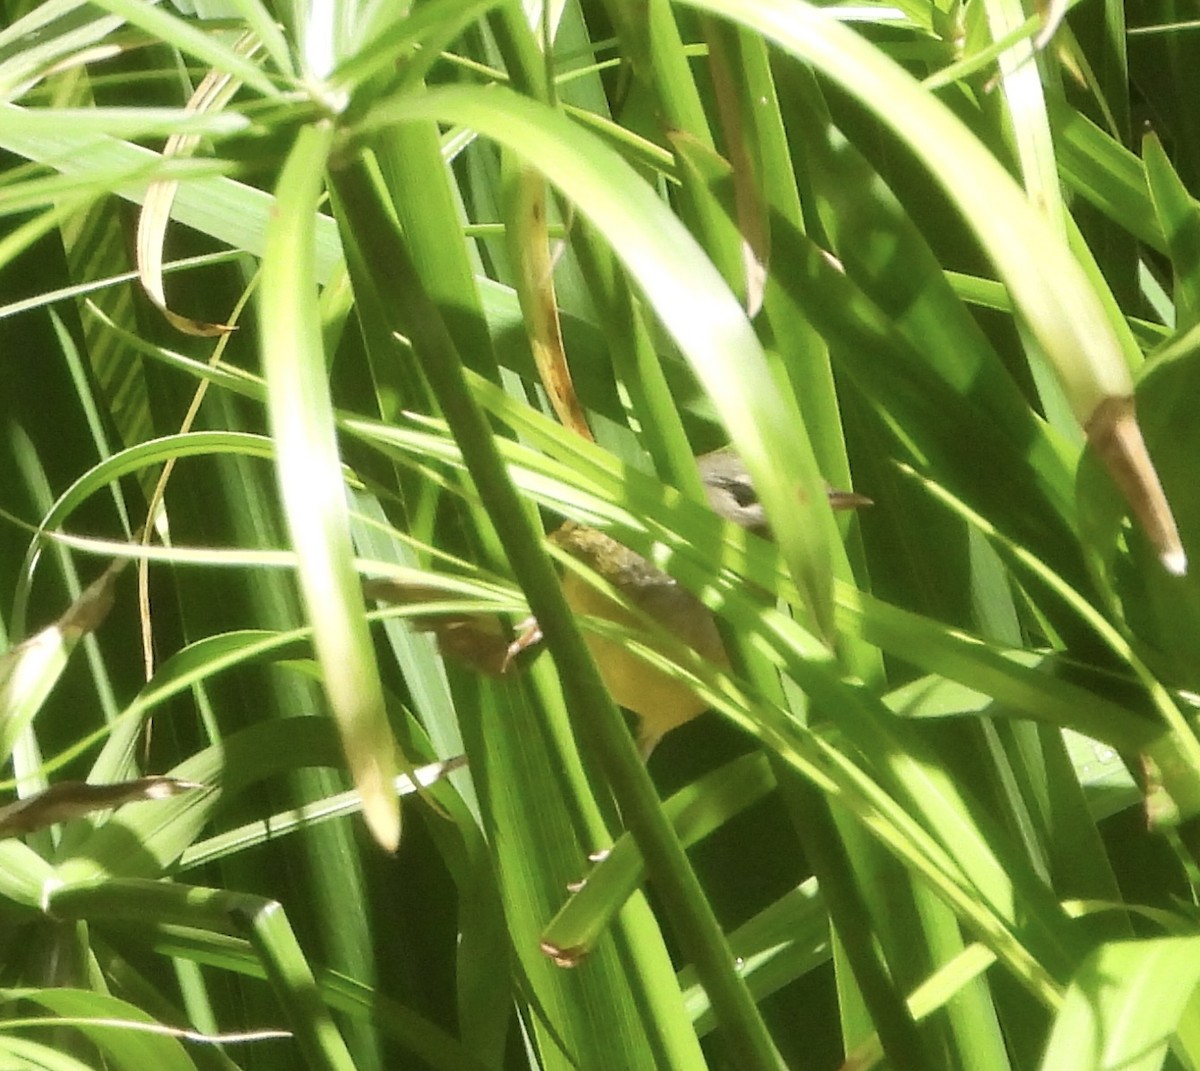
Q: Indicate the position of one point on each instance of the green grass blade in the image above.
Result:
(314, 494)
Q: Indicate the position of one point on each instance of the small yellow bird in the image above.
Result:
(661, 702)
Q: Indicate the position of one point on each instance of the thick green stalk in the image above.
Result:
(596, 718)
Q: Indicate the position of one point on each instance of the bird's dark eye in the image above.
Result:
(743, 492)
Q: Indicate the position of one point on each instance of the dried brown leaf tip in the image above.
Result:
(74, 799)
(93, 604)
(563, 957)
(529, 246)
(1114, 434)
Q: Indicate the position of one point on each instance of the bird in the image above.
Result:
(659, 700)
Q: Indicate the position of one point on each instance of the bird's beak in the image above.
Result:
(848, 500)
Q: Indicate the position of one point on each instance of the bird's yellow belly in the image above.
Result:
(660, 700)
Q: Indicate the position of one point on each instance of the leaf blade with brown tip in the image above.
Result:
(74, 799)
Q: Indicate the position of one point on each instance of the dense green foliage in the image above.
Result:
(944, 815)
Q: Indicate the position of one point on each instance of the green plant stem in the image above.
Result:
(851, 920)
(595, 716)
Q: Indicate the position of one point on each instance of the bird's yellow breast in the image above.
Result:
(661, 702)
